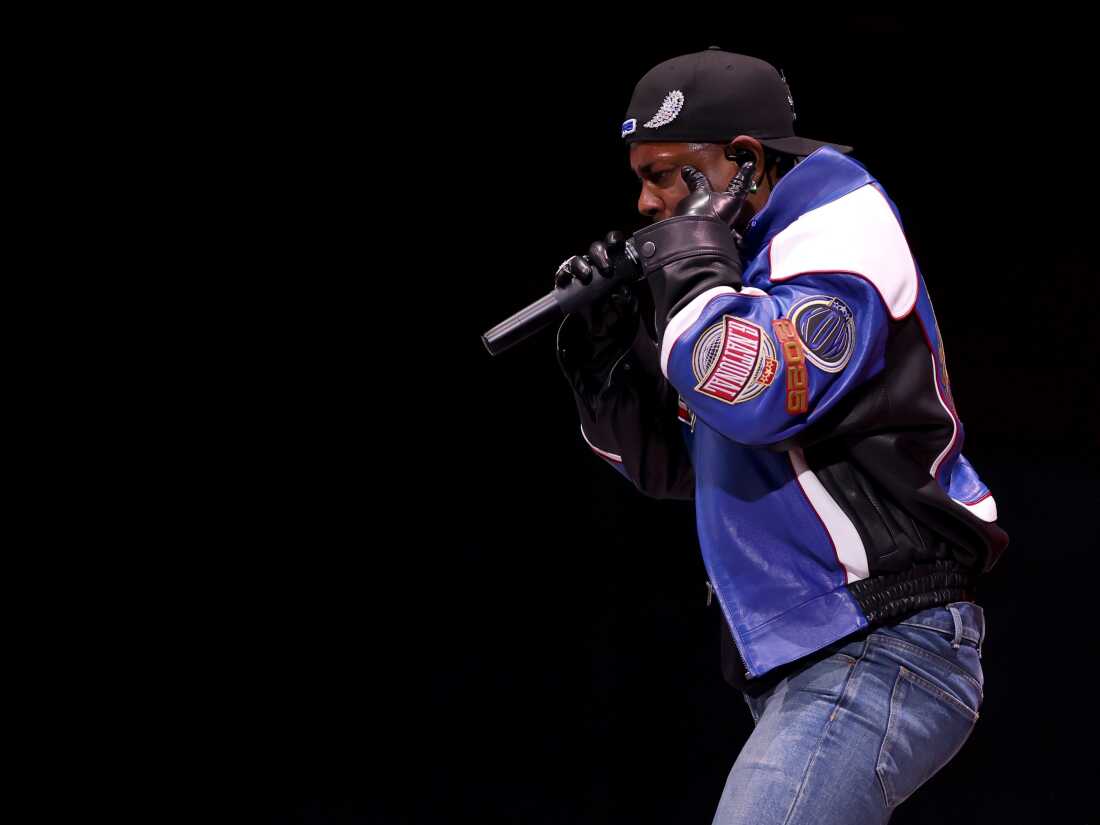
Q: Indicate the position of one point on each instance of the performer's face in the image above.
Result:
(658, 165)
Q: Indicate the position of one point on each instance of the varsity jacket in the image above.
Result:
(802, 400)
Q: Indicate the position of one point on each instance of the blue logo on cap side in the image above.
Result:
(629, 126)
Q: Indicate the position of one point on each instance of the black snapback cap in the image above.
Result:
(713, 96)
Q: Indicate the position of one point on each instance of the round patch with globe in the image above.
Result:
(827, 329)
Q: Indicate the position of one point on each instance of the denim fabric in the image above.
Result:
(849, 736)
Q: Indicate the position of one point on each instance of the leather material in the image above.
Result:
(827, 472)
(690, 254)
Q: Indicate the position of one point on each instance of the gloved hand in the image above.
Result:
(691, 252)
(702, 200)
(613, 315)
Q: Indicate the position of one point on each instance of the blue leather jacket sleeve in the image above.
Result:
(759, 365)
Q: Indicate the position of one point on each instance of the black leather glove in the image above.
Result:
(613, 315)
(693, 251)
(598, 332)
(704, 201)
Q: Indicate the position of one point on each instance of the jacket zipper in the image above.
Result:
(710, 595)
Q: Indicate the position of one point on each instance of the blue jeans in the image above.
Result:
(865, 723)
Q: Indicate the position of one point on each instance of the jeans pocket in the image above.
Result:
(965, 659)
(927, 726)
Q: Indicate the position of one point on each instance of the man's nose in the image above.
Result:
(648, 203)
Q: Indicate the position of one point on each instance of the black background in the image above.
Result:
(454, 612)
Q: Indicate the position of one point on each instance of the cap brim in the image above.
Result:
(801, 146)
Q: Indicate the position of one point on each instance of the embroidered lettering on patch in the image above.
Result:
(733, 361)
(797, 379)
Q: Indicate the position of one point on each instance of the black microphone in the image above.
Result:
(563, 300)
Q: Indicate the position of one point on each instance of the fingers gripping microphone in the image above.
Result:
(563, 300)
(625, 269)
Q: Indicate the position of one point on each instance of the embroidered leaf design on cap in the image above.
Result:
(674, 101)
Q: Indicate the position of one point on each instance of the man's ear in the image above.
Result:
(743, 149)
(739, 156)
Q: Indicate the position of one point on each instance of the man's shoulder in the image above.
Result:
(859, 234)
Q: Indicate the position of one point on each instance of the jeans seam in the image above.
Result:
(920, 651)
(912, 679)
(752, 712)
(944, 631)
(825, 732)
(887, 739)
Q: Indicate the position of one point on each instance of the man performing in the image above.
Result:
(781, 365)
